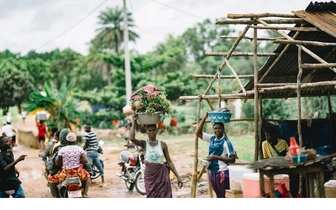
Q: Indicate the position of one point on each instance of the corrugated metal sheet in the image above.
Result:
(286, 69)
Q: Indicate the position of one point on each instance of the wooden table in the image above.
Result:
(311, 169)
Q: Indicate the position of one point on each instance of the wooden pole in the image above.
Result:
(269, 21)
(256, 95)
(194, 175)
(331, 132)
(299, 95)
(303, 48)
(252, 15)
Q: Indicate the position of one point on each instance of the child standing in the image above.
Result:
(10, 185)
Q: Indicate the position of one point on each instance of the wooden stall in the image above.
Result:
(303, 64)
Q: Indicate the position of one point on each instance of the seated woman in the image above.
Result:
(71, 158)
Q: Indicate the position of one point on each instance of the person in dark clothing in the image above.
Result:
(10, 185)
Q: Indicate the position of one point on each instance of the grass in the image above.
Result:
(243, 145)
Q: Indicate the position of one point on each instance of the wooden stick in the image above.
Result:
(312, 43)
(236, 76)
(305, 29)
(251, 38)
(252, 15)
(269, 21)
(221, 76)
(238, 54)
(318, 65)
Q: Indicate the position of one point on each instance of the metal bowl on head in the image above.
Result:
(147, 119)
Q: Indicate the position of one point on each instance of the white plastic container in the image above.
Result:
(42, 115)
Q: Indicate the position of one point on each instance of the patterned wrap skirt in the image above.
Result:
(61, 175)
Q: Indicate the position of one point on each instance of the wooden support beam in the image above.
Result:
(239, 54)
(305, 85)
(301, 42)
(305, 29)
(313, 55)
(222, 76)
(269, 21)
(251, 38)
(252, 15)
(318, 65)
(236, 76)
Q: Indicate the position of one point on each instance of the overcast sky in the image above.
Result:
(45, 25)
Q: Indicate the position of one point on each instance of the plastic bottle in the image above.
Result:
(294, 147)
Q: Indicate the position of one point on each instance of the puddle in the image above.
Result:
(31, 175)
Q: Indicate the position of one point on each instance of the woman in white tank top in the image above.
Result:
(157, 163)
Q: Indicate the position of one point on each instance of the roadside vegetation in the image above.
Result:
(77, 88)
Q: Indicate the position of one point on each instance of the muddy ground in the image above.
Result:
(35, 185)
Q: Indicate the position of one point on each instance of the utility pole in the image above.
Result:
(127, 58)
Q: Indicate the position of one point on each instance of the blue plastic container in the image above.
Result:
(220, 116)
(303, 158)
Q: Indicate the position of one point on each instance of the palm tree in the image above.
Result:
(110, 34)
(60, 104)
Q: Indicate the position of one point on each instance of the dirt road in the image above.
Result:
(35, 185)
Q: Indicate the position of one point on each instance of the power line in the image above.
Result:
(178, 10)
(61, 34)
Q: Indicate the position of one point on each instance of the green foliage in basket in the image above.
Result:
(151, 104)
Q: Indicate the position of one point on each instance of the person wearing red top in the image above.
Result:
(173, 121)
(173, 125)
(41, 135)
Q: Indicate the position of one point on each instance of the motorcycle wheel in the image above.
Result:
(140, 183)
(95, 172)
(129, 185)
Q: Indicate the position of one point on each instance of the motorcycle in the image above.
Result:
(132, 165)
(71, 187)
(95, 173)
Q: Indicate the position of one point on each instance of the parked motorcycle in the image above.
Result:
(132, 165)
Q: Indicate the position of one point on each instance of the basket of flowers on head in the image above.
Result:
(150, 104)
(220, 115)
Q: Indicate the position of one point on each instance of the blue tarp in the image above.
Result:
(315, 133)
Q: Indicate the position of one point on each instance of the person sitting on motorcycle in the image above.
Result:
(157, 163)
(48, 152)
(72, 158)
(91, 147)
